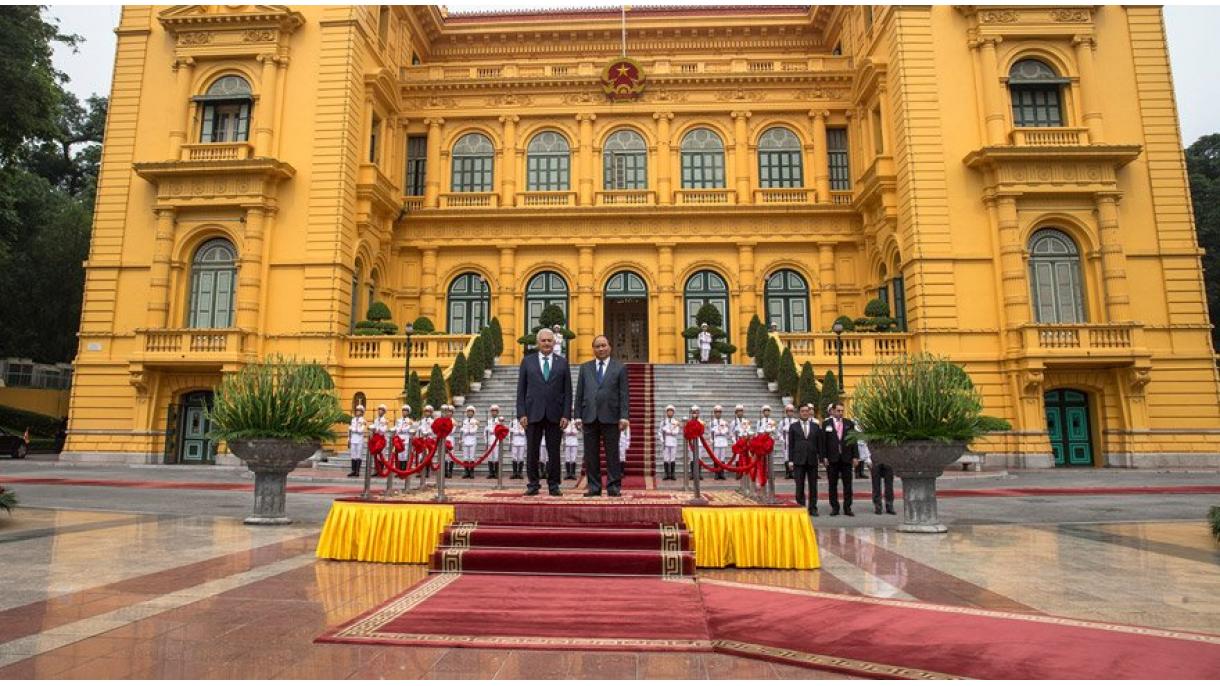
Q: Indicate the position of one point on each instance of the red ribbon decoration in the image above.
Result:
(499, 433)
(749, 455)
(376, 444)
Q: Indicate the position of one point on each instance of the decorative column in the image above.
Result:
(821, 156)
(1088, 86)
(506, 303)
(827, 284)
(741, 155)
(749, 295)
(265, 115)
(427, 284)
(664, 191)
(264, 306)
(158, 275)
(993, 99)
(1014, 282)
(249, 274)
(184, 74)
(1113, 261)
(508, 170)
(667, 332)
(586, 327)
(432, 170)
(585, 158)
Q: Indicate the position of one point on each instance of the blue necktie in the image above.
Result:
(546, 368)
(600, 371)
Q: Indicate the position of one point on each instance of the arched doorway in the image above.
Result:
(625, 321)
(546, 288)
(469, 304)
(787, 297)
(703, 288)
(1067, 422)
(189, 422)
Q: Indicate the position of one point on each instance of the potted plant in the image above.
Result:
(917, 414)
(788, 378)
(273, 415)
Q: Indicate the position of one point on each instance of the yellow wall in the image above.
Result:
(45, 401)
(945, 191)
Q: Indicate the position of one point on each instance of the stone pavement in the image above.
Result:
(134, 581)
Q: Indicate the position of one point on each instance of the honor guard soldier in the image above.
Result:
(705, 343)
(558, 341)
(668, 434)
(767, 425)
(470, 439)
(517, 433)
(784, 424)
(571, 449)
(489, 434)
(404, 429)
(447, 448)
(423, 429)
(720, 438)
(355, 440)
(381, 425)
(694, 446)
(624, 442)
(739, 418)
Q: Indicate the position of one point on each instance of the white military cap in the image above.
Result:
(382, 407)
(766, 408)
(694, 408)
(360, 408)
(717, 408)
(494, 407)
(428, 408)
(470, 408)
(407, 408)
(739, 407)
(671, 407)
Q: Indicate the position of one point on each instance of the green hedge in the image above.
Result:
(19, 420)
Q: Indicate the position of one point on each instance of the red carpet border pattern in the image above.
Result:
(858, 635)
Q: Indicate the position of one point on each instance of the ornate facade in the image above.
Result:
(1008, 179)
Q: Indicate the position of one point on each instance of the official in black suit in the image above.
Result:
(840, 457)
(544, 407)
(804, 445)
(601, 408)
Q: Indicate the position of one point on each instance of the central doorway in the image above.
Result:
(194, 444)
(1067, 422)
(626, 316)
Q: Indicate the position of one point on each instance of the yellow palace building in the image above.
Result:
(1009, 179)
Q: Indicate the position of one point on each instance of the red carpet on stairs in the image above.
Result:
(857, 635)
(638, 538)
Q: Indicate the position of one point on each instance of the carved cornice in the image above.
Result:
(1028, 20)
(251, 30)
(214, 183)
(1086, 169)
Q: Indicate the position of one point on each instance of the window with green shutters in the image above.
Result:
(779, 159)
(702, 160)
(213, 282)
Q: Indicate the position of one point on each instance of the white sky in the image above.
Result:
(1192, 31)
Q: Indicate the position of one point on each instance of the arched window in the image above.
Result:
(547, 163)
(625, 161)
(213, 280)
(1035, 89)
(788, 301)
(779, 159)
(226, 110)
(370, 293)
(702, 160)
(356, 272)
(626, 285)
(1054, 275)
(899, 293)
(469, 304)
(359, 400)
(473, 159)
(702, 288)
(546, 288)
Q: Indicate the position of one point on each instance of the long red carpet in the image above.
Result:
(864, 636)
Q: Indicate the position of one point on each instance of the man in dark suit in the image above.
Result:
(601, 408)
(544, 407)
(840, 457)
(804, 444)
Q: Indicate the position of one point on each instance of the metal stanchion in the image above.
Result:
(698, 499)
(685, 464)
(389, 476)
(440, 475)
(499, 469)
(368, 475)
(771, 480)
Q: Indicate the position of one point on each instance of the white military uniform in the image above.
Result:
(381, 425)
(668, 433)
(705, 345)
(784, 425)
(571, 443)
(405, 428)
(356, 442)
(489, 437)
(740, 426)
(767, 425)
(470, 438)
(558, 343)
(517, 433)
(720, 438)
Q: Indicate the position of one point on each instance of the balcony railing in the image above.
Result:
(186, 343)
(546, 198)
(470, 200)
(783, 196)
(424, 349)
(857, 347)
(215, 152)
(1083, 339)
(840, 197)
(413, 202)
(705, 196)
(635, 197)
(1050, 136)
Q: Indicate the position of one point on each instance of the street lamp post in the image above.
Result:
(406, 374)
(838, 329)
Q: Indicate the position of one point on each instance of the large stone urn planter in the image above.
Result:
(271, 459)
(918, 464)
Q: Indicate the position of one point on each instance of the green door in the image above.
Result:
(1067, 422)
(196, 447)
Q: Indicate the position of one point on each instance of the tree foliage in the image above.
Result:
(278, 398)
(1203, 166)
(438, 392)
(830, 393)
(459, 384)
(770, 359)
(807, 386)
(721, 348)
(551, 317)
(787, 374)
(414, 396)
(752, 336)
(497, 337)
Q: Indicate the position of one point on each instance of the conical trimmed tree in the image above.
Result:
(771, 358)
(497, 337)
(414, 398)
(830, 393)
(752, 336)
(458, 383)
(807, 386)
(438, 391)
(787, 374)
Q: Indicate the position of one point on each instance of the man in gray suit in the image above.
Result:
(601, 408)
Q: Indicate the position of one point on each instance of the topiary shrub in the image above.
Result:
(459, 384)
(848, 323)
(830, 393)
(876, 308)
(721, 348)
(551, 317)
(876, 318)
(366, 328)
(475, 363)
(771, 358)
(378, 311)
(423, 325)
(497, 337)
(752, 336)
(787, 374)
(807, 386)
(438, 391)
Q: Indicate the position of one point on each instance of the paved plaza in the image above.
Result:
(138, 572)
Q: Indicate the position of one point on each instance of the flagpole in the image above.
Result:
(624, 25)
